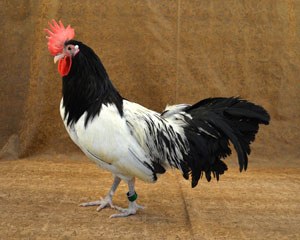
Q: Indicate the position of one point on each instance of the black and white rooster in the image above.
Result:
(132, 141)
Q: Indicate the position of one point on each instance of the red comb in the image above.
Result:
(57, 36)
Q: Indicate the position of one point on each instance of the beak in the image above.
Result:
(58, 57)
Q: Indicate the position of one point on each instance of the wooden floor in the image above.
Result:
(39, 199)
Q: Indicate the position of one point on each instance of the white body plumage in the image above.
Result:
(122, 144)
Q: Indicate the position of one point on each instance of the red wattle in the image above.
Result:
(64, 66)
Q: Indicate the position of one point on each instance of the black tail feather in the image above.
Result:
(212, 123)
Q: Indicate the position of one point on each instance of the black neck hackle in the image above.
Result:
(87, 86)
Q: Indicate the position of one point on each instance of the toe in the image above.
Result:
(125, 213)
(87, 204)
(101, 206)
(140, 207)
(120, 209)
(104, 205)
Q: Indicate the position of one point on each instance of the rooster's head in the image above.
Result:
(60, 47)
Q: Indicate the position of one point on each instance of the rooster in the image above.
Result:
(132, 141)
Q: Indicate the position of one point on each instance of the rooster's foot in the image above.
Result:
(102, 203)
(125, 212)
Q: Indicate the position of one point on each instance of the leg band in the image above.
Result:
(133, 197)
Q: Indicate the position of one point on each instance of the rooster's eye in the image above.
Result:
(69, 48)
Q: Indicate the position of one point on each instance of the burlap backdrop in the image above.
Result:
(156, 53)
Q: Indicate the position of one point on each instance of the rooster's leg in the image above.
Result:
(133, 206)
(107, 201)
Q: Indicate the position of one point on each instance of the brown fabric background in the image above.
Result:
(156, 53)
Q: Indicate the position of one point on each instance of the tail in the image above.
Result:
(211, 124)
